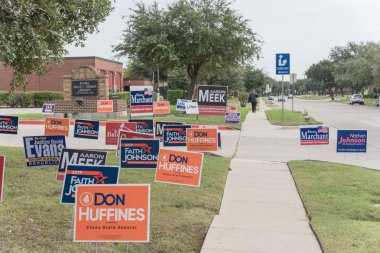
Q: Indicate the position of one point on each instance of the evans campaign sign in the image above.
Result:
(144, 126)
(352, 141)
(43, 150)
(175, 135)
(179, 167)
(112, 213)
(314, 135)
(86, 129)
(86, 174)
(2, 171)
(142, 153)
(79, 157)
(141, 100)
(8, 124)
(212, 100)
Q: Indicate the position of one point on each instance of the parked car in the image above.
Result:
(378, 102)
(356, 99)
(270, 98)
(280, 99)
(290, 96)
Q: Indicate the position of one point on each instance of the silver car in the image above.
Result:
(378, 102)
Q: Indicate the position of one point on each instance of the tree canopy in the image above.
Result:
(33, 33)
(189, 34)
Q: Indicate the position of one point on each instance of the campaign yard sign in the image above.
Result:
(8, 124)
(48, 108)
(141, 100)
(192, 108)
(354, 141)
(57, 126)
(144, 126)
(175, 135)
(114, 127)
(2, 171)
(159, 129)
(233, 108)
(232, 117)
(43, 150)
(181, 104)
(179, 167)
(79, 157)
(162, 107)
(141, 153)
(212, 100)
(86, 174)
(112, 213)
(202, 139)
(87, 129)
(105, 105)
(314, 135)
(131, 135)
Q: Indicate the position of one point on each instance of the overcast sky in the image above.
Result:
(307, 29)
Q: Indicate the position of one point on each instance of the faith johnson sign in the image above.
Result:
(175, 135)
(139, 153)
(314, 135)
(144, 126)
(87, 129)
(354, 141)
(8, 124)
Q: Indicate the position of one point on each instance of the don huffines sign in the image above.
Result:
(112, 213)
(8, 124)
(79, 157)
(141, 99)
(212, 100)
(86, 174)
(84, 88)
(352, 141)
(86, 129)
(314, 135)
(142, 153)
(43, 150)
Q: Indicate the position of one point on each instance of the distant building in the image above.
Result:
(53, 80)
(135, 82)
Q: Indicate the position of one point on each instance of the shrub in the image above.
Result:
(4, 97)
(39, 98)
(121, 95)
(243, 98)
(25, 99)
(173, 95)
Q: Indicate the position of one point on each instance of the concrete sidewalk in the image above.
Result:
(261, 210)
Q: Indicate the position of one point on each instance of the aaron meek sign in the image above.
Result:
(84, 88)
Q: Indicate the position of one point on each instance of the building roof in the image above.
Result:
(91, 57)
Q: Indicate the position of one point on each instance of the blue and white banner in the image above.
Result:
(354, 141)
(86, 174)
(314, 135)
(8, 124)
(86, 129)
(139, 153)
(181, 104)
(141, 99)
(144, 126)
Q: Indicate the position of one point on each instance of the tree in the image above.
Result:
(137, 70)
(322, 72)
(189, 34)
(33, 33)
(254, 79)
(178, 79)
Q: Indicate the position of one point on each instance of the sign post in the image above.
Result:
(293, 80)
(282, 68)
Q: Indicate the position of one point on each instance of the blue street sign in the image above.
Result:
(282, 64)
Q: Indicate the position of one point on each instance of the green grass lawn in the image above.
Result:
(290, 118)
(32, 220)
(269, 103)
(30, 116)
(346, 99)
(312, 97)
(340, 201)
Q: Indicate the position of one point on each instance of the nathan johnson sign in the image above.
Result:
(112, 213)
(212, 100)
(352, 141)
(314, 135)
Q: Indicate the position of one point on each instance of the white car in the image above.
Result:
(356, 99)
(378, 102)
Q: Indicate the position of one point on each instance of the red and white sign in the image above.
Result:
(112, 213)
(162, 107)
(202, 139)
(113, 128)
(57, 126)
(2, 170)
(105, 105)
(131, 135)
(179, 167)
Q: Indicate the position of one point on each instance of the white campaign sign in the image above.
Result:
(192, 108)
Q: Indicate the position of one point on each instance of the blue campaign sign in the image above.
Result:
(354, 141)
(175, 135)
(139, 153)
(8, 124)
(144, 126)
(86, 174)
(86, 129)
(314, 135)
(43, 150)
(282, 64)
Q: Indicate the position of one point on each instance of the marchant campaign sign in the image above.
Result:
(142, 153)
(212, 100)
(144, 126)
(2, 170)
(202, 139)
(114, 127)
(354, 141)
(175, 135)
(112, 213)
(314, 135)
(86, 129)
(43, 150)
(141, 100)
(8, 124)
(79, 157)
(57, 126)
(179, 167)
(86, 174)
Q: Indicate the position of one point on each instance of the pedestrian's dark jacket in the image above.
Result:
(253, 97)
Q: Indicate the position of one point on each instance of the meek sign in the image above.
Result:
(354, 141)
(212, 100)
(314, 135)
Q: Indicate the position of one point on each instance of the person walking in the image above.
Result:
(253, 99)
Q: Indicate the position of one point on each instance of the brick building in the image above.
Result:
(53, 80)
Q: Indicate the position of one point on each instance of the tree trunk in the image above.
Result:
(192, 71)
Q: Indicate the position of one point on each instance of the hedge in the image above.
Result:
(173, 95)
(27, 99)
